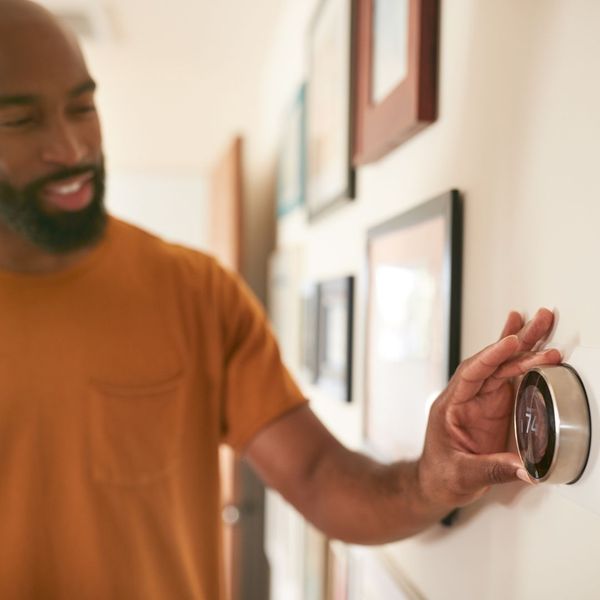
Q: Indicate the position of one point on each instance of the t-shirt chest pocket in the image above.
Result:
(135, 430)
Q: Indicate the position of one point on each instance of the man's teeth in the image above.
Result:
(71, 188)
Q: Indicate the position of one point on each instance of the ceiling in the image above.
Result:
(176, 79)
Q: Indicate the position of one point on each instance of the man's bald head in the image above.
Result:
(13, 7)
(27, 21)
(23, 13)
(51, 167)
(16, 9)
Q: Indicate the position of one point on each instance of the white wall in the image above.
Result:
(177, 79)
(518, 134)
(171, 205)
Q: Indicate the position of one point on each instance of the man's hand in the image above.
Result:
(465, 446)
(353, 498)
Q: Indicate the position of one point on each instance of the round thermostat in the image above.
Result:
(552, 424)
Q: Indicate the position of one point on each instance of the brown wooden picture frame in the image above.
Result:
(412, 104)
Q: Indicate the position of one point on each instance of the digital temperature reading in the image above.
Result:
(552, 424)
(533, 425)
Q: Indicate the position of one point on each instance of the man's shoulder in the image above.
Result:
(162, 258)
(160, 261)
(138, 242)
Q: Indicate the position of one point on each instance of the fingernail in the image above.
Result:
(523, 476)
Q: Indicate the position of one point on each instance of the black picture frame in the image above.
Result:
(335, 337)
(414, 272)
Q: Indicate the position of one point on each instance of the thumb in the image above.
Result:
(490, 469)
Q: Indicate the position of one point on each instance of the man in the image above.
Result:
(126, 361)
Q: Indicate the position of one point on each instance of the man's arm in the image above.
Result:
(358, 500)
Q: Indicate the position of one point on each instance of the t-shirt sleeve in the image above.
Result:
(257, 386)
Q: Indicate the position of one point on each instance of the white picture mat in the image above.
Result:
(407, 336)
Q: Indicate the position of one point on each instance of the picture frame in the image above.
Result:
(284, 546)
(397, 46)
(338, 575)
(413, 322)
(291, 168)
(315, 554)
(284, 300)
(330, 175)
(335, 337)
(309, 359)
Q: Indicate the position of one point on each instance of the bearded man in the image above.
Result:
(126, 361)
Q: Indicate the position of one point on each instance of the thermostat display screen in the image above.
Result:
(552, 424)
(532, 425)
(535, 426)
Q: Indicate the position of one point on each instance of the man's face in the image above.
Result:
(51, 165)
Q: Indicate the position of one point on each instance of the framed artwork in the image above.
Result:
(291, 172)
(413, 322)
(284, 301)
(397, 73)
(315, 563)
(330, 177)
(309, 332)
(338, 581)
(335, 333)
(374, 577)
(284, 546)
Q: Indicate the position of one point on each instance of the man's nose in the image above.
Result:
(63, 145)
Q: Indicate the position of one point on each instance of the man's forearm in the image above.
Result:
(353, 498)
(345, 494)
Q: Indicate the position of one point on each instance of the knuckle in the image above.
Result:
(437, 407)
(497, 474)
(460, 367)
(464, 365)
(462, 370)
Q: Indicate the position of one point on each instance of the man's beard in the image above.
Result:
(60, 232)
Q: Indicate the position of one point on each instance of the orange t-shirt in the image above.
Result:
(119, 378)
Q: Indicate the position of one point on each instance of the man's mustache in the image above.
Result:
(62, 175)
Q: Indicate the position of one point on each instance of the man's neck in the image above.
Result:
(21, 256)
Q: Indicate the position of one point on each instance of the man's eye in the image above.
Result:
(16, 123)
(83, 109)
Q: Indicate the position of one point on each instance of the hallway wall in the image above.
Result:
(517, 134)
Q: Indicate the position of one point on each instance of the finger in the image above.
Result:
(514, 324)
(519, 366)
(536, 329)
(481, 471)
(522, 364)
(493, 384)
(473, 372)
